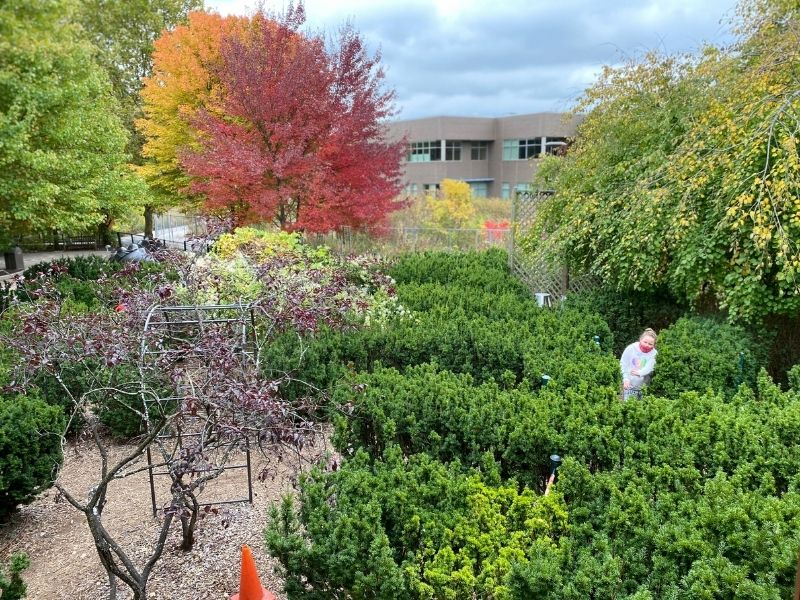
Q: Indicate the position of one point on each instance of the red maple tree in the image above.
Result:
(299, 140)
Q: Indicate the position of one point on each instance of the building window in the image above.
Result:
(430, 189)
(522, 149)
(424, 151)
(522, 188)
(480, 189)
(555, 145)
(505, 190)
(479, 151)
(452, 150)
(411, 189)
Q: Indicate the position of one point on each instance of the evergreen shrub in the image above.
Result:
(500, 349)
(114, 395)
(119, 405)
(629, 313)
(794, 378)
(486, 270)
(450, 417)
(699, 354)
(415, 528)
(51, 389)
(481, 347)
(316, 361)
(682, 494)
(12, 586)
(82, 268)
(30, 449)
(505, 305)
(701, 502)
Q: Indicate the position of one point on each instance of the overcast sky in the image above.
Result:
(501, 57)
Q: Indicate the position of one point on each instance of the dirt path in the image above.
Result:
(64, 564)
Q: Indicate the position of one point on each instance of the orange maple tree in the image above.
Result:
(184, 80)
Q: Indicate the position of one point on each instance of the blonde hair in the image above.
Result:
(649, 333)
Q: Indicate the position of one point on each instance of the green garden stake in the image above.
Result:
(555, 462)
(740, 374)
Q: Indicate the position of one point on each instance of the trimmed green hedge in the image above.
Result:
(448, 416)
(554, 342)
(427, 297)
(704, 501)
(629, 313)
(30, 449)
(486, 271)
(695, 495)
(697, 354)
(414, 528)
(83, 268)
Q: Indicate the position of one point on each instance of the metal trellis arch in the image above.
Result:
(166, 330)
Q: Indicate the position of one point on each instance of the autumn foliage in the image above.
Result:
(684, 174)
(183, 81)
(453, 208)
(271, 124)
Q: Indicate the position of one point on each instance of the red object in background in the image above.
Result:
(250, 587)
(122, 307)
(495, 230)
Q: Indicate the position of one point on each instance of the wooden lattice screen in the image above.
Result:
(541, 276)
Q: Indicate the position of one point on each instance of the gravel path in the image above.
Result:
(64, 564)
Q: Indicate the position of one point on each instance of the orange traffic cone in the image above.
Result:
(250, 587)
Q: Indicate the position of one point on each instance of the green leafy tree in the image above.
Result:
(611, 213)
(685, 173)
(123, 31)
(62, 146)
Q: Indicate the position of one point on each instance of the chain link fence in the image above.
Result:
(389, 241)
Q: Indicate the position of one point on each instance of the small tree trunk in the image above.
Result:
(148, 221)
(112, 586)
(103, 545)
(189, 523)
(139, 593)
(797, 580)
(104, 231)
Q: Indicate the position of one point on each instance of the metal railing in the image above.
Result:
(59, 241)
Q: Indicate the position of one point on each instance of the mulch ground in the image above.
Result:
(64, 563)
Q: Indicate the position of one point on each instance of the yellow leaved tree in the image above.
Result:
(685, 173)
(452, 208)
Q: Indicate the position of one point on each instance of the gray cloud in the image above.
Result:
(512, 56)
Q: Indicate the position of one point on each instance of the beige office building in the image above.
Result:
(496, 156)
